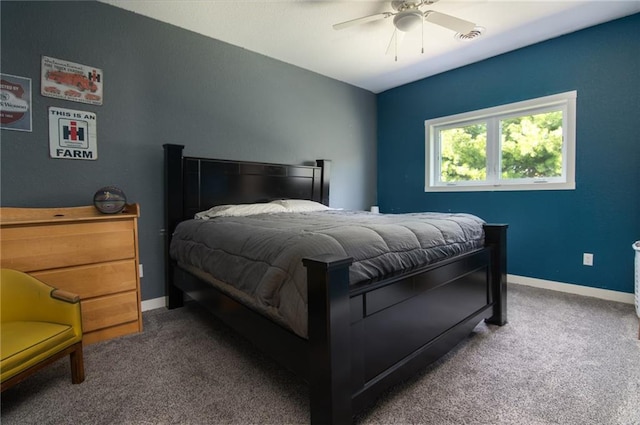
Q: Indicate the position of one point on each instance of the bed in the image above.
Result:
(359, 338)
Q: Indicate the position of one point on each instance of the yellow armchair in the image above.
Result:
(38, 325)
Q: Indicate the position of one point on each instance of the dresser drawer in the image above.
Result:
(41, 247)
(110, 310)
(93, 280)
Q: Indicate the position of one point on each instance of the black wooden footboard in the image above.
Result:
(396, 326)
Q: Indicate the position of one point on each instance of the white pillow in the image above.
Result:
(240, 210)
(300, 205)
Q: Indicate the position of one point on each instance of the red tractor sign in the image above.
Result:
(71, 79)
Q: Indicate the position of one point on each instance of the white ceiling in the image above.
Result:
(299, 32)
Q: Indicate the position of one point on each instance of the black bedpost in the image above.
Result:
(173, 204)
(329, 335)
(496, 238)
(325, 178)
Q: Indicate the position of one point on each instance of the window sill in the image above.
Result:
(503, 187)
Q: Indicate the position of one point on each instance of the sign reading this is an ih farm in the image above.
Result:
(72, 134)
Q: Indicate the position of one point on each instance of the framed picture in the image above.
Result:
(15, 103)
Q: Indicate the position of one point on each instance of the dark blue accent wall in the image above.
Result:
(549, 230)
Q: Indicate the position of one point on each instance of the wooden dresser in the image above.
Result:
(83, 251)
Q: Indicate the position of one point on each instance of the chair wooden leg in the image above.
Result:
(77, 364)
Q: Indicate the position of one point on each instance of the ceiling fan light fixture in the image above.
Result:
(471, 35)
(407, 20)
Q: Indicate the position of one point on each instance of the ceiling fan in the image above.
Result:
(408, 16)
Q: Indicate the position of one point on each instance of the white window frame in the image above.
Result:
(566, 102)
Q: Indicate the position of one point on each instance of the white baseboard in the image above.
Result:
(604, 294)
(154, 303)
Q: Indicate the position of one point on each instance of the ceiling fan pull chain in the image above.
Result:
(395, 35)
(423, 34)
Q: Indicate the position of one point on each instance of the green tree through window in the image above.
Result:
(464, 153)
(532, 146)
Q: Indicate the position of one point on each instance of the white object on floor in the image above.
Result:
(636, 247)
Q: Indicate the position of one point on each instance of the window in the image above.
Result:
(527, 145)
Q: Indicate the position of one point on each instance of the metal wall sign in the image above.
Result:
(15, 102)
(72, 134)
(71, 81)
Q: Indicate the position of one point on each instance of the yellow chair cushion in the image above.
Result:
(24, 344)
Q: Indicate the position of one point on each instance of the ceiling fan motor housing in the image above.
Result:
(408, 20)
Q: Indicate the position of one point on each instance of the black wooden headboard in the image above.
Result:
(197, 184)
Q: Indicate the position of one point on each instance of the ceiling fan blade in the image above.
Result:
(395, 42)
(363, 20)
(449, 22)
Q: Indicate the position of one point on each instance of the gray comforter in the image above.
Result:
(257, 259)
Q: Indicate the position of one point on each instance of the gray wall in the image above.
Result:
(162, 85)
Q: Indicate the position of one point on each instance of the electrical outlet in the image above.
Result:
(140, 270)
(587, 259)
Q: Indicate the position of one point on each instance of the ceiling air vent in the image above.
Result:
(471, 35)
